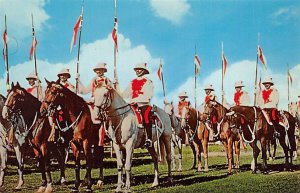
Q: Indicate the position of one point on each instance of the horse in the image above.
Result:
(126, 136)
(178, 136)
(295, 112)
(79, 122)
(214, 117)
(27, 106)
(198, 137)
(18, 145)
(254, 126)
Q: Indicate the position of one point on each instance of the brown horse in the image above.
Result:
(254, 127)
(21, 102)
(190, 123)
(78, 116)
(214, 117)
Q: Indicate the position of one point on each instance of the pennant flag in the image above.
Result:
(75, 30)
(224, 62)
(262, 57)
(32, 49)
(290, 77)
(197, 64)
(159, 72)
(114, 33)
(4, 45)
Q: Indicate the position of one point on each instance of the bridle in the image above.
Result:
(52, 108)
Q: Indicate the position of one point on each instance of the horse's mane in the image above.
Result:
(3, 97)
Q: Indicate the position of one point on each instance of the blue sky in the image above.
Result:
(154, 29)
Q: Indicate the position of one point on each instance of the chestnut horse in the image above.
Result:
(21, 102)
(190, 123)
(78, 116)
(214, 117)
(254, 127)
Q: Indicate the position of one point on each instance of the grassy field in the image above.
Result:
(216, 180)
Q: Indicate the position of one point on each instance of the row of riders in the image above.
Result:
(107, 113)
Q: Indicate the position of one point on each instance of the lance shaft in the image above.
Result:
(78, 51)
(34, 55)
(256, 69)
(6, 58)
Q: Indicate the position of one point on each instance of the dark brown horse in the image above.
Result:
(77, 114)
(254, 127)
(21, 102)
(214, 118)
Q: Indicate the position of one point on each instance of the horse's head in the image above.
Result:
(185, 115)
(209, 111)
(54, 96)
(169, 108)
(15, 100)
(103, 96)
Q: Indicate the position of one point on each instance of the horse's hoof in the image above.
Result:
(254, 172)
(49, 189)
(88, 190)
(229, 173)
(179, 170)
(74, 190)
(100, 184)
(119, 189)
(154, 184)
(265, 172)
(41, 189)
(170, 181)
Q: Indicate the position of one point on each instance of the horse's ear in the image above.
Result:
(47, 81)
(18, 85)
(12, 85)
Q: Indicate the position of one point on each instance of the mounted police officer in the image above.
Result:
(140, 92)
(183, 102)
(63, 77)
(241, 98)
(209, 94)
(35, 88)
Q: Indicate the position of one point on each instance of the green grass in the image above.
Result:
(216, 180)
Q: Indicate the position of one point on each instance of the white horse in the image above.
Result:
(178, 136)
(126, 136)
(295, 112)
(17, 146)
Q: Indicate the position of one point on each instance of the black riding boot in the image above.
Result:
(148, 142)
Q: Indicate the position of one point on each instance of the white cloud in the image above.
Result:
(91, 54)
(18, 13)
(284, 14)
(171, 10)
(245, 71)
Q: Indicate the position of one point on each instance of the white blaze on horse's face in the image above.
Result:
(100, 95)
(169, 108)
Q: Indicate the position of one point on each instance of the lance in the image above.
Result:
(34, 56)
(79, 42)
(288, 79)
(222, 75)
(5, 54)
(116, 84)
(256, 69)
(162, 80)
(195, 80)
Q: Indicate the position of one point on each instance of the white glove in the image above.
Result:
(77, 76)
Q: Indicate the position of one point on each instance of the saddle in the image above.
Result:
(274, 116)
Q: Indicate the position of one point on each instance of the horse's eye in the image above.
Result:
(61, 94)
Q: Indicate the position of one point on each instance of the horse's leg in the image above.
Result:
(237, 153)
(275, 148)
(198, 154)
(19, 156)
(255, 156)
(153, 154)
(205, 152)
(100, 157)
(179, 155)
(192, 145)
(230, 154)
(45, 153)
(41, 161)
(119, 166)
(60, 152)
(173, 154)
(269, 149)
(166, 140)
(3, 155)
(128, 163)
(76, 153)
(88, 158)
(263, 143)
(285, 150)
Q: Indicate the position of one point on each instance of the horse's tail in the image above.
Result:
(162, 151)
